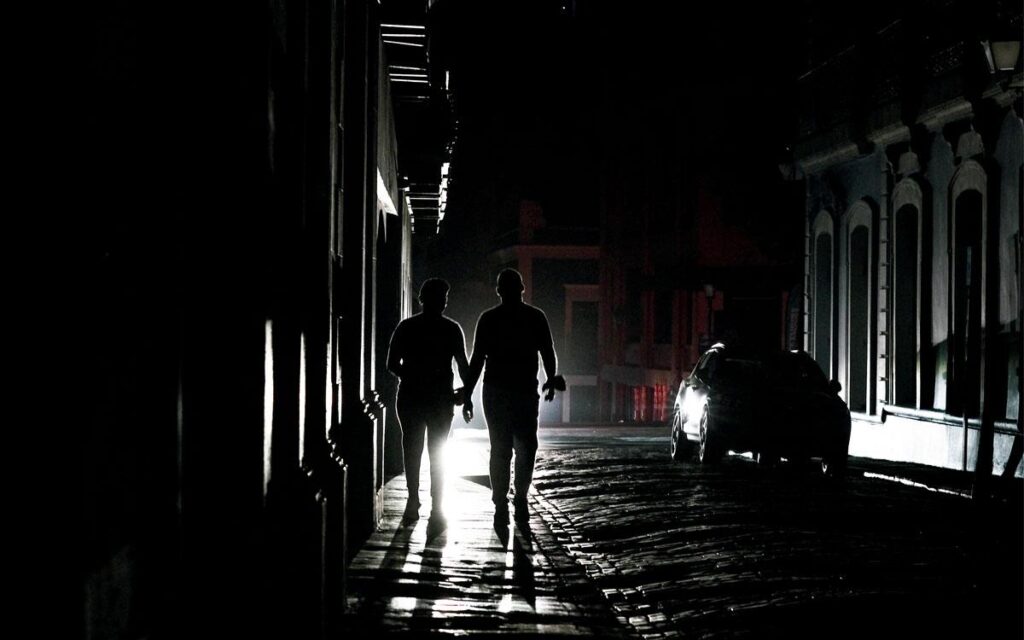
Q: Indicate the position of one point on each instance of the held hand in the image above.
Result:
(467, 411)
(459, 396)
(555, 383)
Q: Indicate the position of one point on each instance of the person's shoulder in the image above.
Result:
(412, 323)
(490, 313)
(411, 320)
(536, 312)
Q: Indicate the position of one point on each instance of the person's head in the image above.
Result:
(510, 285)
(434, 295)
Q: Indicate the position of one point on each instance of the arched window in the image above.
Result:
(909, 347)
(860, 295)
(859, 307)
(905, 306)
(822, 270)
(968, 277)
(967, 301)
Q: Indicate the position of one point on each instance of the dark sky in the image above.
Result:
(547, 93)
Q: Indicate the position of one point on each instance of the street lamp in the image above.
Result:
(1001, 55)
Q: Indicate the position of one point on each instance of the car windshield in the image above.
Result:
(740, 371)
(794, 370)
(779, 370)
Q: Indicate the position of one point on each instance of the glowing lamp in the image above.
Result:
(1001, 55)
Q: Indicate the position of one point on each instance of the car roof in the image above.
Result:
(750, 353)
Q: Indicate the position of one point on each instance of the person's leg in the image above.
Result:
(524, 441)
(439, 427)
(411, 421)
(500, 432)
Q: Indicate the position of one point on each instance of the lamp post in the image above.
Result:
(1001, 55)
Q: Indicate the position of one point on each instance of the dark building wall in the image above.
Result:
(226, 274)
(921, 153)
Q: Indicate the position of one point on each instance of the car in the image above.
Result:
(775, 404)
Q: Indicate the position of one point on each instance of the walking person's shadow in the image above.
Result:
(523, 576)
(391, 569)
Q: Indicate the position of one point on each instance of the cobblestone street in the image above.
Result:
(623, 543)
(737, 550)
(471, 578)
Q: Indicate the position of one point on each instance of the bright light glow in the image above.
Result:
(1005, 54)
(384, 200)
(918, 485)
(445, 166)
(418, 45)
(466, 452)
(409, 80)
(403, 35)
(407, 75)
(403, 603)
(447, 80)
(404, 68)
(268, 400)
(394, 25)
(510, 563)
(412, 565)
(505, 605)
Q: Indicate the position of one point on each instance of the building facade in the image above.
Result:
(245, 258)
(911, 148)
(675, 279)
(696, 223)
(561, 271)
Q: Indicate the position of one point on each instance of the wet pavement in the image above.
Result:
(470, 578)
(622, 543)
(742, 551)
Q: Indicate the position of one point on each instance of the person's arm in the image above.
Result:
(548, 358)
(461, 361)
(463, 395)
(473, 369)
(476, 363)
(396, 352)
(547, 349)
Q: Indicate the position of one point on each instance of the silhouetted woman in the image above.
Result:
(420, 354)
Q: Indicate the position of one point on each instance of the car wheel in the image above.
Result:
(708, 450)
(680, 446)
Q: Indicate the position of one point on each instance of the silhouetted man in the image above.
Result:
(420, 354)
(508, 339)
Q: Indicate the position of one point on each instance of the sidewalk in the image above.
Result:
(470, 579)
(1009, 491)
